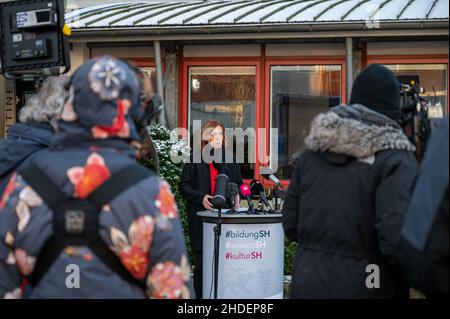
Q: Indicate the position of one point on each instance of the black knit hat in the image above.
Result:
(378, 89)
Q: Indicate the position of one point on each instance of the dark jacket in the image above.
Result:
(424, 249)
(23, 140)
(195, 184)
(345, 204)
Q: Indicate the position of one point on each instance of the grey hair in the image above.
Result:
(47, 104)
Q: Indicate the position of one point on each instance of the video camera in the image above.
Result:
(418, 116)
(33, 40)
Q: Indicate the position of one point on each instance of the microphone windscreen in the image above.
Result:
(233, 188)
(232, 193)
(220, 192)
(256, 187)
(245, 190)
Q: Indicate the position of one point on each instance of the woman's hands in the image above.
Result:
(207, 202)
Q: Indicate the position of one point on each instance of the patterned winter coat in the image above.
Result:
(141, 225)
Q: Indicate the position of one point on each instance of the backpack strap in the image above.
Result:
(49, 253)
(118, 183)
(106, 255)
(110, 189)
(54, 197)
(43, 185)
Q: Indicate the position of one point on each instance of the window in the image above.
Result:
(297, 94)
(226, 94)
(432, 78)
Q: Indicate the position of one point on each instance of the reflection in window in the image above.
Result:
(298, 94)
(431, 77)
(151, 72)
(226, 94)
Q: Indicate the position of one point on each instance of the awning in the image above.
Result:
(193, 17)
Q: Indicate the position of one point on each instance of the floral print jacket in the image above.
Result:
(141, 226)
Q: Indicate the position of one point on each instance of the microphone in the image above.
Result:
(258, 189)
(232, 195)
(219, 200)
(273, 178)
(246, 192)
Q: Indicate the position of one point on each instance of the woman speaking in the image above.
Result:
(197, 187)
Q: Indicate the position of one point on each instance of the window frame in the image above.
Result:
(146, 63)
(143, 62)
(297, 61)
(183, 119)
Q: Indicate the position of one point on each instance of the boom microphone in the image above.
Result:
(273, 178)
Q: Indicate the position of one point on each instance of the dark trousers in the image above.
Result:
(198, 274)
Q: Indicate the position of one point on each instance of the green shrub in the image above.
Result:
(290, 249)
(167, 143)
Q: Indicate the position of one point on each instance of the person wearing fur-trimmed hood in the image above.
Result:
(349, 191)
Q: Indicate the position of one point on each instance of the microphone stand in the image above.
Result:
(279, 194)
(275, 195)
(217, 234)
(251, 210)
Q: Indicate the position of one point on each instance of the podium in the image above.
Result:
(251, 255)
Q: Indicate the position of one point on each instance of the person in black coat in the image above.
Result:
(197, 187)
(348, 194)
(424, 245)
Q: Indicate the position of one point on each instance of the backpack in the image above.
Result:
(76, 221)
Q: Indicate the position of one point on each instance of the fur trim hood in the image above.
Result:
(355, 131)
